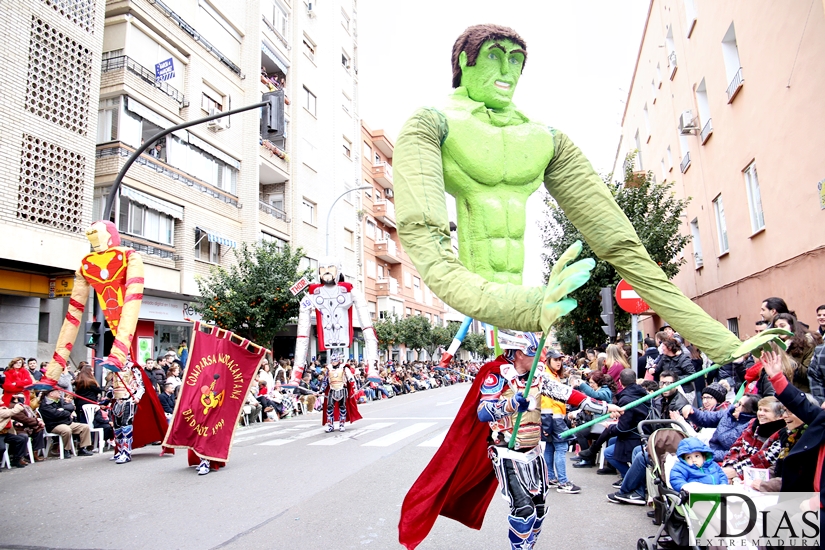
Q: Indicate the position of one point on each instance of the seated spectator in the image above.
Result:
(305, 392)
(34, 370)
(88, 390)
(619, 451)
(155, 373)
(103, 420)
(17, 380)
(803, 466)
(758, 446)
(173, 377)
(16, 443)
(167, 399)
(59, 415)
(729, 423)
(695, 465)
(713, 397)
(601, 387)
(26, 423)
(788, 437)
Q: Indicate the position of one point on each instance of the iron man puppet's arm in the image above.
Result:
(68, 332)
(370, 337)
(130, 312)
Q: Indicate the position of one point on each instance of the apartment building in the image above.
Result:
(392, 284)
(734, 119)
(51, 59)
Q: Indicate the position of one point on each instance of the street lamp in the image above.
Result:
(333, 204)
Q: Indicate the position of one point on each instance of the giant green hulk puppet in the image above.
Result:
(491, 157)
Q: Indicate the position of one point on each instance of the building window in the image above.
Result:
(671, 53)
(141, 221)
(210, 104)
(345, 21)
(380, 271)
(664, 171)
(371, 269)
(733, 67)
(345, 61)
(310, 101)
(704, 112)
(408, 311)
(669, 159)
(208, 251)
(366, 150)
(309, 263)
(107, 120)
(280, 19)
(733, 325)
(653, 90)
(417, 289)
(721, 225)
(370, 232)
(309, 48)
(308, 208)
(639, 151)
(346, 103)
(698, 260)
(347, 148)
(754, 198)
(377, 160)
(373, 307)
(690, 16)
(279, 243)
(407, 279)
(646, 114)
(683, 145)
(349, 239)
(202, 165)
(658, 75)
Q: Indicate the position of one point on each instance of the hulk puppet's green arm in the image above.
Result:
(587, 203)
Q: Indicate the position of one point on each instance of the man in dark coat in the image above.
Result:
(58, 416)
(619, 451)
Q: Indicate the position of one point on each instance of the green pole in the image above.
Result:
(527, 391)
(641, 400)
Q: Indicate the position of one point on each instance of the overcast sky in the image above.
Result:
(580, 62)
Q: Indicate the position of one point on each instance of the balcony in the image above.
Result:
(385, 250)
(707, 130)
(383, 143)
(280, 39)
(735, 85)
(698, 261)
(382, 173)
(685, 164)
(137, 76)
(384, 212)
(386, 286)
(274, 165)
(671, 64)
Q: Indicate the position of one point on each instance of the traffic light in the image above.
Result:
(609, 327)
(94, 331)
(272, 116)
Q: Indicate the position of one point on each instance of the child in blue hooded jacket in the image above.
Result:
(695, 464)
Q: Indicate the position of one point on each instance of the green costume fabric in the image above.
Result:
(424, 154)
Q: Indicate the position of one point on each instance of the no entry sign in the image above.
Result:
(628, 300)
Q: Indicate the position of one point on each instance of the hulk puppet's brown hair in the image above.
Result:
(471, 40)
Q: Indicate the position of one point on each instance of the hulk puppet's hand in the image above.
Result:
(759, 343)
(563, 280)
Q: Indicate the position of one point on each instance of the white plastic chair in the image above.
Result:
(90, 409)
(7, 462)
(59, 443)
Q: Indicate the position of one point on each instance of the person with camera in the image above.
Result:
(59, 417)
(8, 436)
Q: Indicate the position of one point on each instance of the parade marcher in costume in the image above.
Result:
(333, 300)
(491, 158)
(460, 480)
(339, 387)
(127, 390)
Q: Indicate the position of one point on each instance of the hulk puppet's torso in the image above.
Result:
(491, 166)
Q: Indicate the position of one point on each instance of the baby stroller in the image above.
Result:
(669, 509)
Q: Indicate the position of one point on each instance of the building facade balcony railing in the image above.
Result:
(122, 62)
(384, 211)
(735, 84)
(685, 164)
(707, 130)
(698, 261)
(277, 33)
(386, 251)
(671, 64)
(120, 150)
(272, 211)
(386, 286)
(382, 172)
(152, 249)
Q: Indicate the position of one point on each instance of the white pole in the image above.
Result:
(634, 342)
(333, 204)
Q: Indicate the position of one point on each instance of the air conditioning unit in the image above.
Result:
(686, 124)
(388, 193)
(311, 9)
(219, 123)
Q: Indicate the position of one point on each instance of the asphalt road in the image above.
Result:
(287, 486)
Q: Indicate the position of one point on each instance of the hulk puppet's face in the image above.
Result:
(493, 78)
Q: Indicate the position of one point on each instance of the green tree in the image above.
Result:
(439, 336)
(415, 332)
(477, 344)
(655, 213)
(387, 332)
(251, 297)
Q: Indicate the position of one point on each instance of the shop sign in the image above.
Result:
(153, 308)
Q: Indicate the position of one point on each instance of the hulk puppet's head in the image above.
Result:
(487, 61)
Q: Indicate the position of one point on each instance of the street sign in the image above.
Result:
(299, 286)
(629, 300)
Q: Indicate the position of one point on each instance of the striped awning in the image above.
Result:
(162, 206)
(213, 237)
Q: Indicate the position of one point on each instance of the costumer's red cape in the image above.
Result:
(352, 406)
(150, 422)
(459, 482)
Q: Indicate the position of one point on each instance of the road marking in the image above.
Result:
(435, 441)
(397, 436)
(296, 437)
(450, 402)
(341, 437)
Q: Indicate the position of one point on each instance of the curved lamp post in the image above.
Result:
(333, 204)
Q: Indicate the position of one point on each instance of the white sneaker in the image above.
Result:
(341, 428)
(329, 428)
(123, 459)
(203, 468)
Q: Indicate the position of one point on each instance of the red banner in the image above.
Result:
(219, 372)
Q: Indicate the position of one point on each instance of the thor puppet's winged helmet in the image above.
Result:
(330, 270)
(526, 342)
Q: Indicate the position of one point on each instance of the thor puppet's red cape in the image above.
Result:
(352, 406)
(459, 482)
